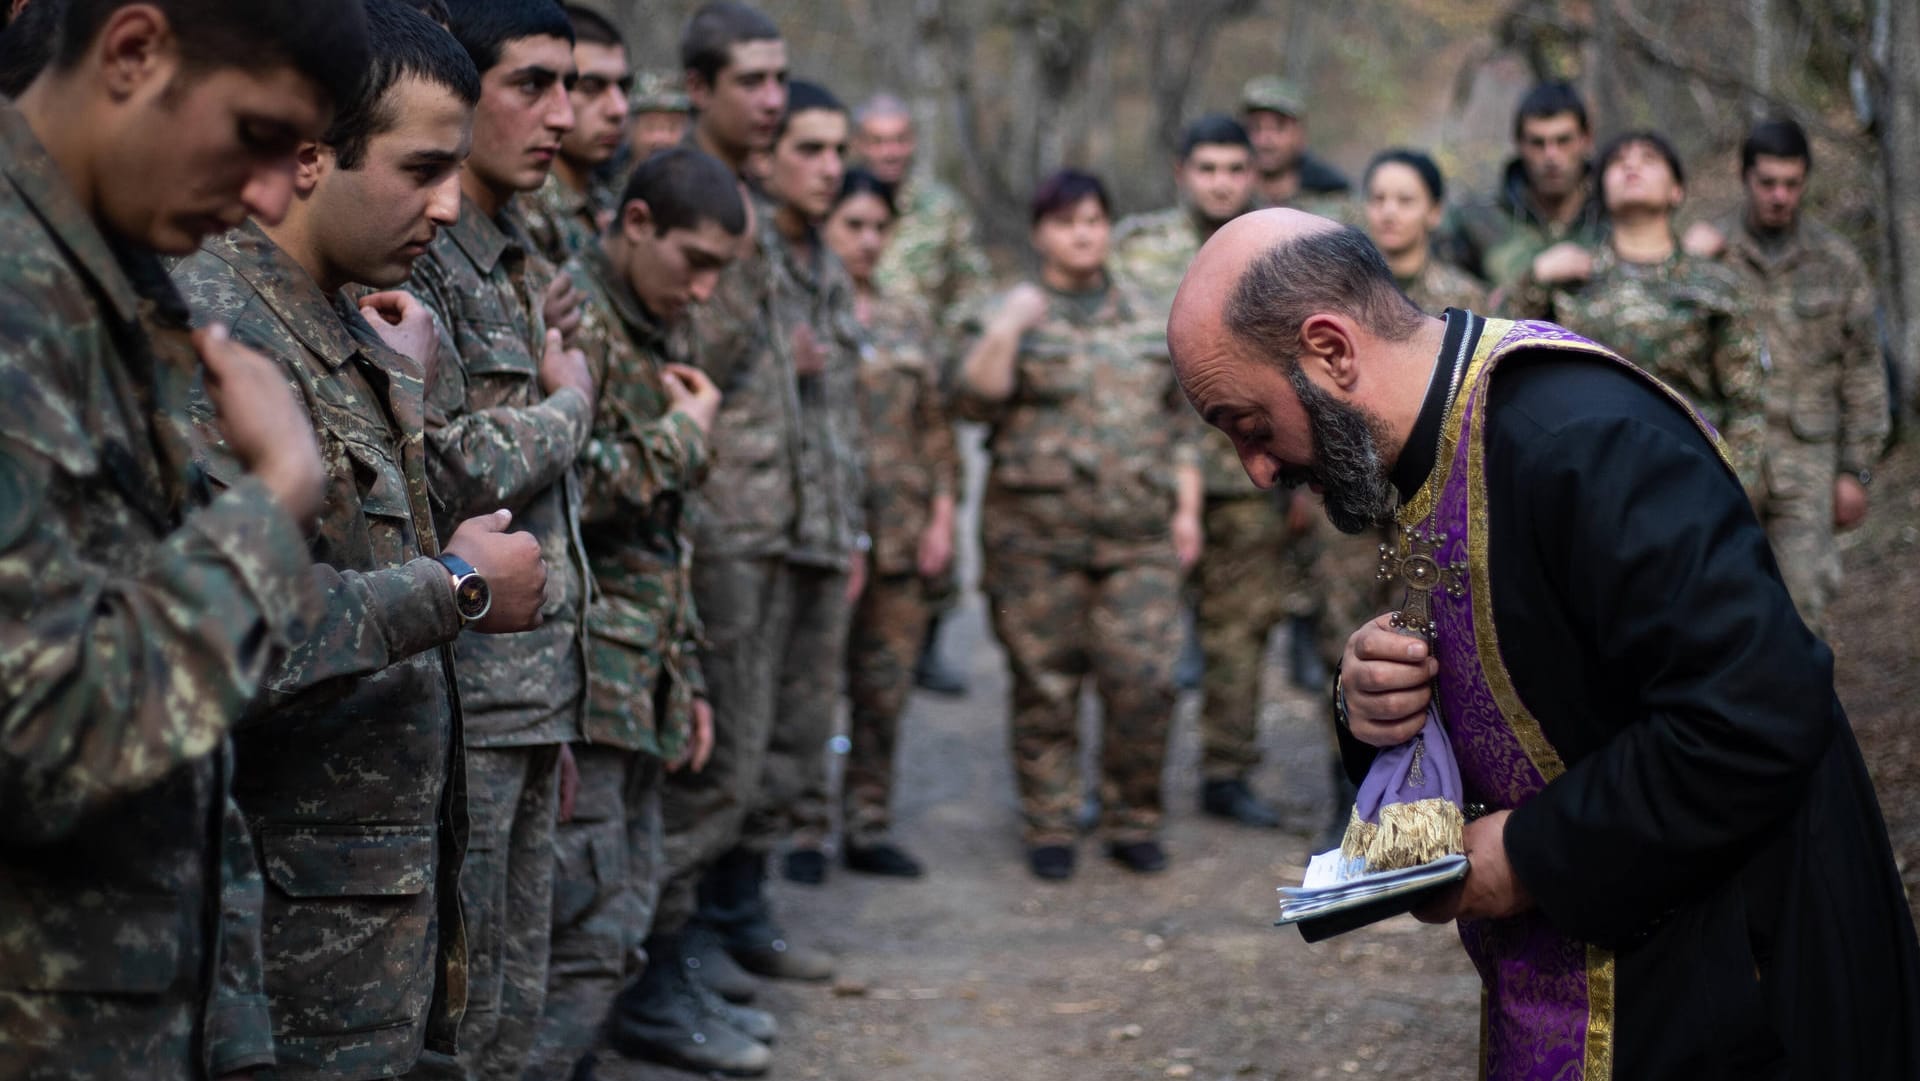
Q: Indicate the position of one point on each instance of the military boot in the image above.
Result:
(733, 899)
(757, 1024)
(664, 1017)
(1231, 799)
(708, 961)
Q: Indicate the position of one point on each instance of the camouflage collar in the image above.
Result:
(641, 326)
(37, 178)
(287, 290)
(482, 239)
(1744, 243)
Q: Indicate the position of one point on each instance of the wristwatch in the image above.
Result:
(471, 596)
(1864, 476)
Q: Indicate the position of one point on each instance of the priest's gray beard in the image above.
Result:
(1348, 465)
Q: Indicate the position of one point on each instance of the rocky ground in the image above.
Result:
(981, 973)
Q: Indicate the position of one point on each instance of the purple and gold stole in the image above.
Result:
(1547, 1001)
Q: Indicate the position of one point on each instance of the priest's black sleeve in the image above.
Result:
(1656, 645)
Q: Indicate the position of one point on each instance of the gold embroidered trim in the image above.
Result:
(1420, 506)
(1598, 1064)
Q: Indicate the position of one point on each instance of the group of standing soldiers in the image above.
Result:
(412, 670)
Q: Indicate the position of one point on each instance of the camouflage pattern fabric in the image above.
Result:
(140, 620)
(344, 763)
(561, 221)
(747, 607)
(1826, 396)
(883, 645)
(506, 894)
(494, 440)
(934, 254)
(1684, 320)
(1438, 286)
(640, 466)
(606, 879)
(1253, 574)
(793, 804)
(1495, 237)
(1153, 251)
(1079, 567)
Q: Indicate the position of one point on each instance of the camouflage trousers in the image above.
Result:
(1347, 574)
(1252, 575)
(506, 892)
(605, 884)
(1798, 511)
(882, 648)
(745, 606)
(794, 803)
(1116, 622)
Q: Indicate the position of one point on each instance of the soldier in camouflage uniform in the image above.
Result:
(508, 411)
(1546, 194)
(660, 114)
(1405, 203)
(344, 766)
(575, 203)
(142, 613)
(913, 475)
(647, 454)
(742, 524)
(813, 310)
(1827, 399)
(1275, 115)
(934, 257)
(1091, 514)
(1252, 562)
(1676, 315)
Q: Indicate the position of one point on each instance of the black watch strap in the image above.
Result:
(456, 566)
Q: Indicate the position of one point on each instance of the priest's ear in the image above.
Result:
(1329, 350)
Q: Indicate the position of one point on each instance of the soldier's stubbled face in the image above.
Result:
(192, 154)
(524, 112)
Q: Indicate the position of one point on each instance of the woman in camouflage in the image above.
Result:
(912, 474)
(1406, 196)
(1091, 515)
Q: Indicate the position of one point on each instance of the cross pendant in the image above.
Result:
(1417, 565)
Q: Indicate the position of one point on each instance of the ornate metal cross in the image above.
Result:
(1417, 564)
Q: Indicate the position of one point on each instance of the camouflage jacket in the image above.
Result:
(934, 254)
(140, 616)
(638, 470)
(1827, 383)
(559, 220)
(749, 505)
(1153, 251)
(1096, 424)
(1438, 286)
(1685, 321)
(818, 294)
(344, 764)
(911, 455)
(1496, 237)
(495, 440)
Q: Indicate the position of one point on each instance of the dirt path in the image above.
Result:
(981, 973)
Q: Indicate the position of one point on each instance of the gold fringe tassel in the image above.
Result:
(1359, 836)
(1411, 834)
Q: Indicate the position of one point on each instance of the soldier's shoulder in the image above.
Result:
(1152, 225)
(213, 288)
(1712, 278)
(1830, 245)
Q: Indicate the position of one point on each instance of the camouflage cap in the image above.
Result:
(658, 92)
(1271, 94)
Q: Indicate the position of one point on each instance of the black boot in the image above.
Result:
(708, 962)
(1303, 655)
(882, 858)
(807, 866)
(1232, 800)
(733, 901)
(932, 672)
(663, 1017)
(1140, 857)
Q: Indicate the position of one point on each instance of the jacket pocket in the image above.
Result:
(348, 861)
(88, 941)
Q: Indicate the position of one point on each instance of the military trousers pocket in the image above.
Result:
(348, 861)
(89, 941)
(590, 889)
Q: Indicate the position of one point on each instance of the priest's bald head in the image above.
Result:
(1290, 335)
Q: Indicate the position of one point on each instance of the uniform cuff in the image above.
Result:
(264, 546)
(239, 1036)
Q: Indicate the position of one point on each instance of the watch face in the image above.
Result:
(472, 597)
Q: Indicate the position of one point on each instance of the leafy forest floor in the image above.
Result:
(981, 973)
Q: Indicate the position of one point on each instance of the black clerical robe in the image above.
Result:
(1715, 826)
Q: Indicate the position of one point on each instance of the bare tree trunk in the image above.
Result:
(1896, 79)
(1606, 67)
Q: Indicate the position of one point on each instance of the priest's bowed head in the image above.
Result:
(1679, 867)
